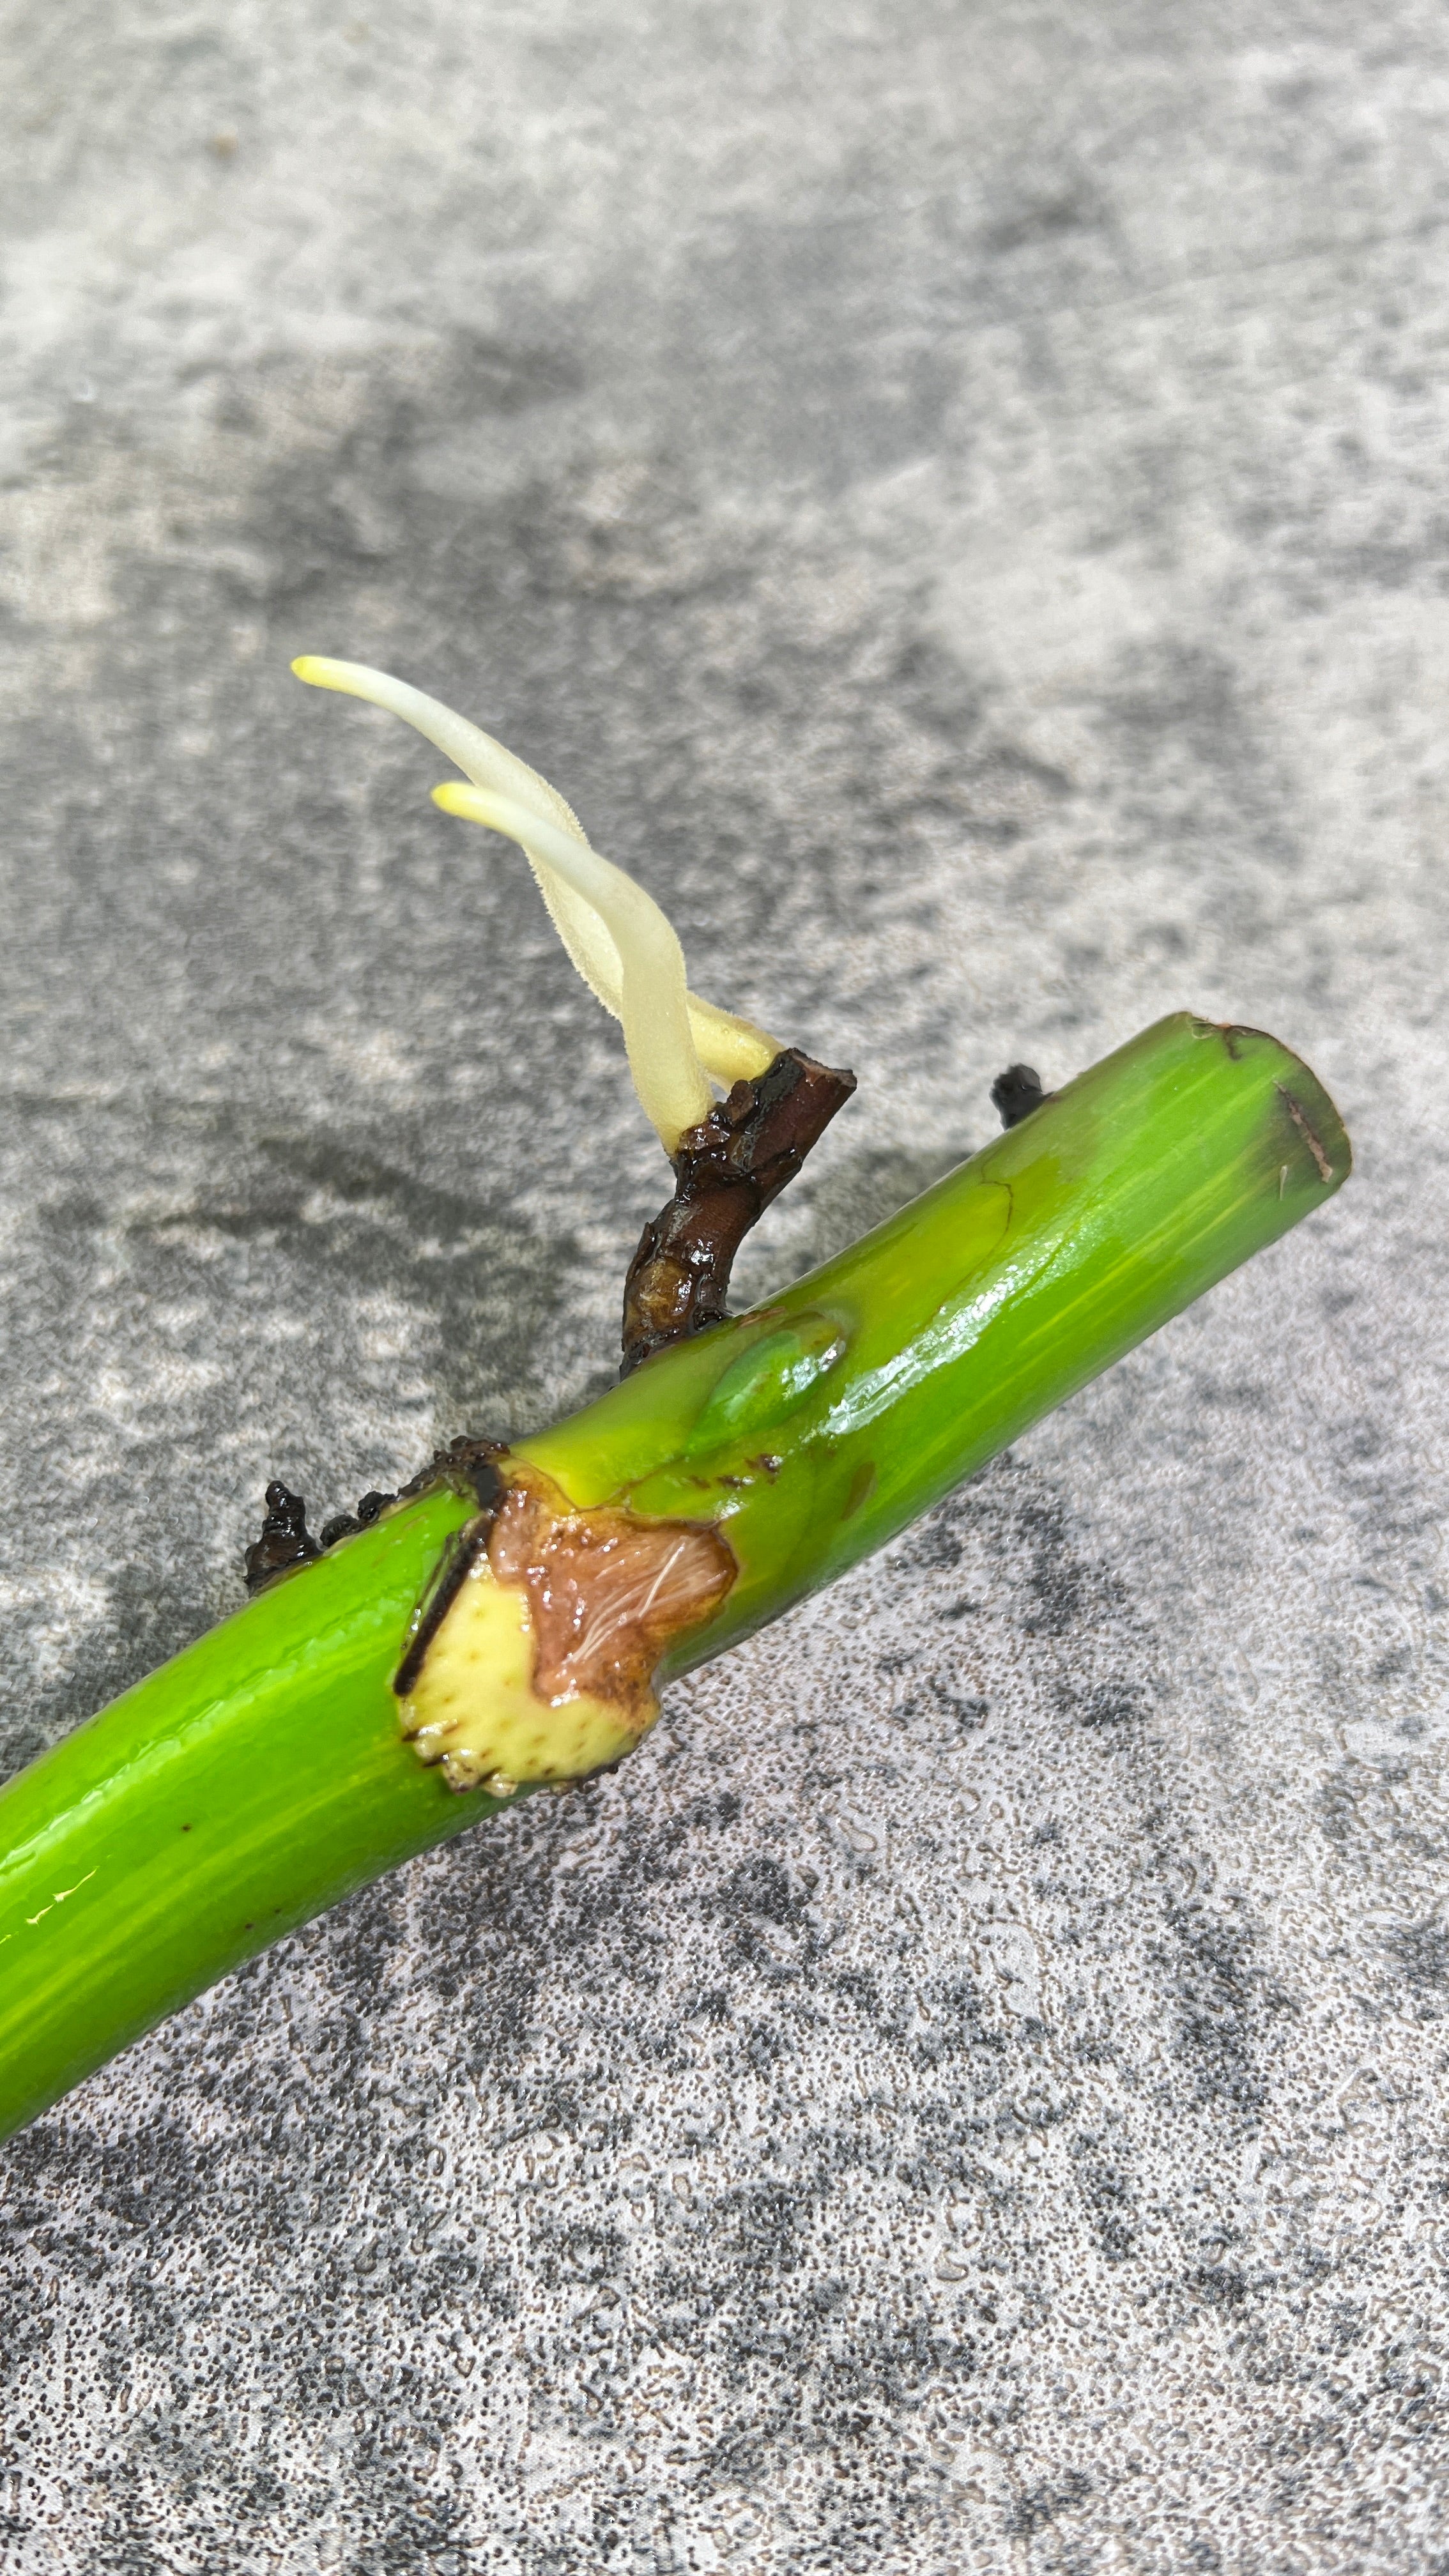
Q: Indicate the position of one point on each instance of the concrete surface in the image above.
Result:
(957, 497)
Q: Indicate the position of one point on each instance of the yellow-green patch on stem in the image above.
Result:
(553, 1621)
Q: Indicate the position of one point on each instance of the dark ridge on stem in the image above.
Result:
(727, 1171)
(1295, 1112)
(463, 1550)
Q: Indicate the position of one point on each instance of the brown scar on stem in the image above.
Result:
(607, 1592)
(533, 1658)
(1325, 1168)
(727, 1171)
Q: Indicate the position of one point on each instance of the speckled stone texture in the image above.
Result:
(956, 496)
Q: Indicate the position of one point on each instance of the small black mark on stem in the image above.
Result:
(347, 1523)
(1016, 1093)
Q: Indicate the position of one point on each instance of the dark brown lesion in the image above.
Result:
(727, 1171)
(607, 1593)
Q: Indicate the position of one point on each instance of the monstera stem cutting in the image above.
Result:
(508, 1621)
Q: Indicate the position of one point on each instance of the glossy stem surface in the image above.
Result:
(260, 1775)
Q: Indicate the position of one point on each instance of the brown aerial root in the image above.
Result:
(727, 1171)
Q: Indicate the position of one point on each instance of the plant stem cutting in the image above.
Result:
(507, 1621)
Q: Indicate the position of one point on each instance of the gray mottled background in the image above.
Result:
(959, 497)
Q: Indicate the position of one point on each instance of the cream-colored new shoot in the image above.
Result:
(622, 944)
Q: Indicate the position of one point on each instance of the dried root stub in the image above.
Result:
(285, 1539)
(727, 1171)
(286, 1542)
(1016, 1093)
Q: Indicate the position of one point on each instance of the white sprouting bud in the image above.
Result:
(620, 941)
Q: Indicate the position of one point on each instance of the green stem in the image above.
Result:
(261, 1774)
